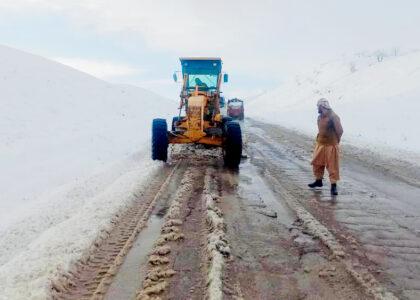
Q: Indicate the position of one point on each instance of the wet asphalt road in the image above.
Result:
(376, 211)
(272, 255)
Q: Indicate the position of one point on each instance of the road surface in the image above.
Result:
(202, 231)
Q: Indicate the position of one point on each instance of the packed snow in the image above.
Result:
(377, 97)
(74, 150)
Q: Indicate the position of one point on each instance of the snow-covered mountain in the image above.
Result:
(73, 149)
(377, 98)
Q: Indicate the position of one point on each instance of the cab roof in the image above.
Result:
(201, 65)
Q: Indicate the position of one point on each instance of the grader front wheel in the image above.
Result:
(233, 145)
(159, 140)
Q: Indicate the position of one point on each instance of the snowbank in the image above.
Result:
(73, 150)
(378, 102)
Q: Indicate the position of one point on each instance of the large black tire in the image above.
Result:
(159, 140)
(175, 119)
(233, 145)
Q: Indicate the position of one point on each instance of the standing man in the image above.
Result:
(326, 152)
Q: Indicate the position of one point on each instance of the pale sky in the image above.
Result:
(262, 43)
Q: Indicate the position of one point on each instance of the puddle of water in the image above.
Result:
(133, 270)
(324, 196)
(255, 190)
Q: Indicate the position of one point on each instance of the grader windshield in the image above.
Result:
(204, 82)
(203, 73)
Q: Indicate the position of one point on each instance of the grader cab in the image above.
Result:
(199, 120)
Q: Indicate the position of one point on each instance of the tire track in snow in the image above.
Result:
(160, 270)
(92, 275)
(189, 257)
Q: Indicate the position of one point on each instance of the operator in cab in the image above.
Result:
(201, 85)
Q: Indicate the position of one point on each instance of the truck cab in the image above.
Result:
(235, 108)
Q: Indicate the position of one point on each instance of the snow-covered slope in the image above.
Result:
(378, 102)
(73, 148)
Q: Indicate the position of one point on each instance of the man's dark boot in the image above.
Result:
(317, 183)
(334, 191)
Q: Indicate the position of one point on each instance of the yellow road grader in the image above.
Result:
(199, 120)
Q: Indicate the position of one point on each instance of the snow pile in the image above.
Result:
(217, 246)
(73, 150)
(377, 98)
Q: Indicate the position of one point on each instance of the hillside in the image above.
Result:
(58, 124)
(74, 149)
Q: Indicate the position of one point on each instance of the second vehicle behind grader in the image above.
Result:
(199, 120)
